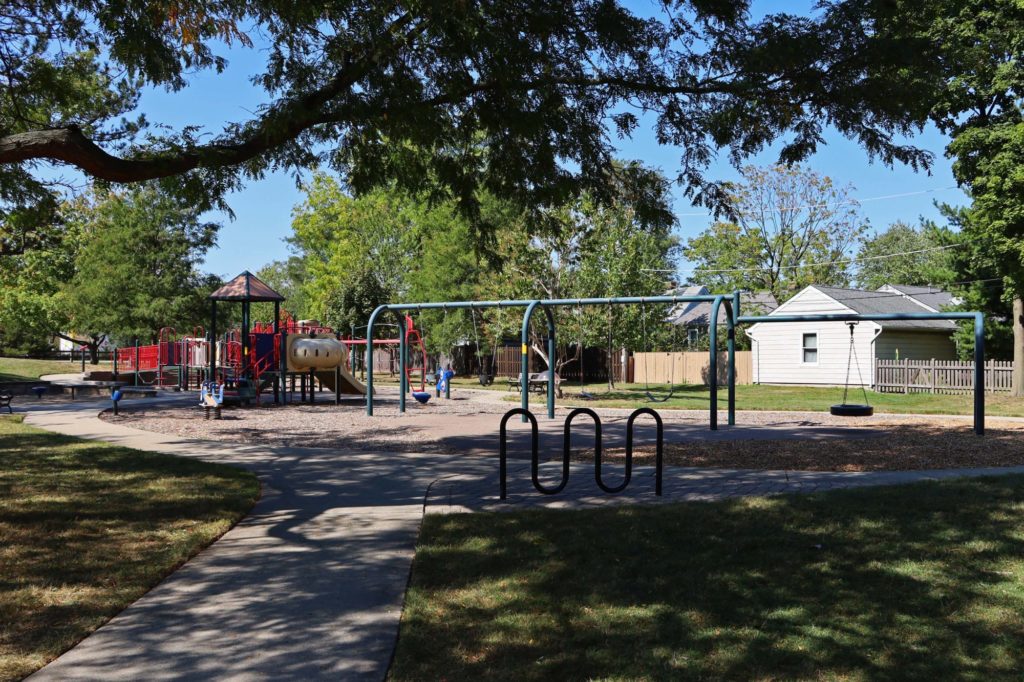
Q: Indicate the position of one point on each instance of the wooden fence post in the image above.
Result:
(933, 381)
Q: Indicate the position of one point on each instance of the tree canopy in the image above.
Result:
(368, 86)
(903, 254)
(388, 245)
(128, 267)
(792, 227)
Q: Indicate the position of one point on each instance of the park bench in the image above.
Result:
(5, 401)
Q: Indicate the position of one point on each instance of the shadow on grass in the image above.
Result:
(917, 582)
(88, 527)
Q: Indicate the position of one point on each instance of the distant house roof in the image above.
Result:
(885, 302)
(698, 314)
(931, 297)
(246, 287)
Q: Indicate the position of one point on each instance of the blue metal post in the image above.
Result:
(713, 360)
(369, 357)
(731, 340)
(979, 374)
(524, 378)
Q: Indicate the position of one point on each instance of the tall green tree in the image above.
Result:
(903, 254)
(596, 250)
(791, 227)
(285, 277)
(138, 266)
(33, 295)
(545, 87)
(341, 239)
(978, 80)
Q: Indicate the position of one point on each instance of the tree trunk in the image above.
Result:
(1018, 347)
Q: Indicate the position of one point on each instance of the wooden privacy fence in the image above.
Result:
(939, 376)
(689, 368)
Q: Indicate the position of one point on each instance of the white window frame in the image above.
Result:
(817, 348)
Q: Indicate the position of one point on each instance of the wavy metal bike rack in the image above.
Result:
(567, 451)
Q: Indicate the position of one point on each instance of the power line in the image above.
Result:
(849, 202)
(830, 262)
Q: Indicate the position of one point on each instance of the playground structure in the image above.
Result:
(733, 317)
(285, 355)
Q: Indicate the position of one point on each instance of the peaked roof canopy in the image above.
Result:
(246, 287)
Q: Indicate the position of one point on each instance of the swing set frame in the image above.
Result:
(733, 318)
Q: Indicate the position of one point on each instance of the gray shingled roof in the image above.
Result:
(698, 314)
(930, 296)
(881, 302)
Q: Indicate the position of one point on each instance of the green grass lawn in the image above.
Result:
(20, 369)
(87, 528)
(918, 582)
(753, 397)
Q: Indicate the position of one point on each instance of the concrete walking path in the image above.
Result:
(310, 585)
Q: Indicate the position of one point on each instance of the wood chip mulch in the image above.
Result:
(905, 447)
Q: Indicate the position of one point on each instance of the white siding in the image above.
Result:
(915, 345)
(778, 352)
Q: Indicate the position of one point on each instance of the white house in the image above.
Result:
(818, 352)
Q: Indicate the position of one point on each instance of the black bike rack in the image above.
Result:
(659, 446)
(503, 443)
(567, 451)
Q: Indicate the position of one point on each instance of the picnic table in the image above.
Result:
(536, 382)
(75, 385)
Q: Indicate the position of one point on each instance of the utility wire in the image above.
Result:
(829, 262)
(848, 202)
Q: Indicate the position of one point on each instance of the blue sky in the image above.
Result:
(263, 208)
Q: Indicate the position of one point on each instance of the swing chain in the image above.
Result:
(850, 359)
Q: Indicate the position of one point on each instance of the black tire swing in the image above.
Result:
(672, 370)
(845, 409)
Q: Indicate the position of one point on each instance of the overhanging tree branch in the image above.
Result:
(279, 126)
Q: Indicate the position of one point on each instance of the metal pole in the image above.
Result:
(979, 374)
(730, 317)
(352, 351)
(369, 357)
(213, 343)
(279, 379)
(713, 362)
(448, 380)
(402, 352)
(524, 378)
(551, 362)
(136, 381)
(245, 341)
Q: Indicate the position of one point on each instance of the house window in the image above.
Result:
(810, 348)
(692, 336)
